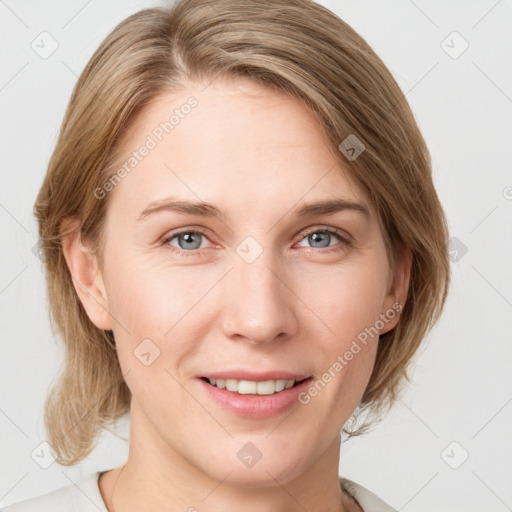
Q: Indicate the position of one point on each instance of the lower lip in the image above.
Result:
(256, 406)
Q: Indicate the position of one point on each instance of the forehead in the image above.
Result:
(240, 113)
(233, 141)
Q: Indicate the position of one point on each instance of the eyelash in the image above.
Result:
(344, 239)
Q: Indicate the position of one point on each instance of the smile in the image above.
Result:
(255, 398)
(249, 387)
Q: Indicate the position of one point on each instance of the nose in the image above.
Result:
(258, 306)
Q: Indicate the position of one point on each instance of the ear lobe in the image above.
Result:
(87, 279)
(397, 295)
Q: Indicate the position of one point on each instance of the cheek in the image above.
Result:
(163, 313)
(347, 299)
(153, 305)
(149, 298)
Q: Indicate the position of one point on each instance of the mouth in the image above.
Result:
(254, 395)
(253, 387)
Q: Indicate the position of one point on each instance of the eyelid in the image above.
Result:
(181, 231)
(330, 229)
(344, 236)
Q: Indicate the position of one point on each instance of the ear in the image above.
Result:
(397, 291)
(87, 278)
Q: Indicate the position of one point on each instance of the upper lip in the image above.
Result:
(256, 376)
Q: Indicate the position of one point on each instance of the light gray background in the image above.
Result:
(462, 381)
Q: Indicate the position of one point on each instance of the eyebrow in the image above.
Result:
(204, 209)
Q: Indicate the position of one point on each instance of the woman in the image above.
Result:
(244, 249)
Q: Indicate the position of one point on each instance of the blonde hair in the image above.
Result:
(294, 46)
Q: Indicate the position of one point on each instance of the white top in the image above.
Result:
(85, 496)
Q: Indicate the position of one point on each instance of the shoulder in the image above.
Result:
(368, 501)
(84, 496)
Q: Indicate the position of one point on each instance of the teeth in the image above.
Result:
(249, 387)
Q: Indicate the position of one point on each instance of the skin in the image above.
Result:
(258, 155)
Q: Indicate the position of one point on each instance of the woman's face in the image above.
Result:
(257, 287)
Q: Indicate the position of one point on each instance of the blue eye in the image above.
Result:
(324, 237)
(190, 243)
(187, 240)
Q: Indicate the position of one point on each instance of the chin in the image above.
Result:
(258, 462)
